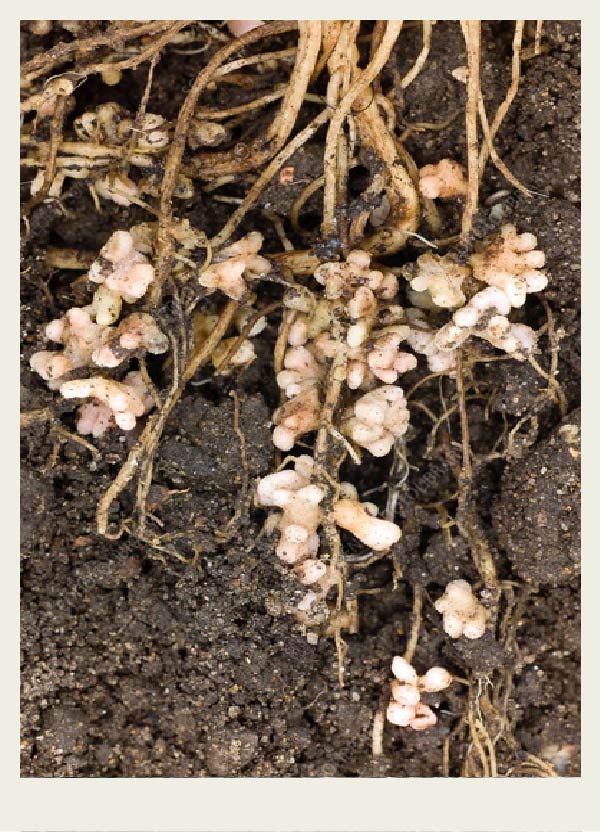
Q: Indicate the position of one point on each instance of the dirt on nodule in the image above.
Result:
(139, 664)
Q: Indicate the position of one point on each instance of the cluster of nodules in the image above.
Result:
(355, 323)
(93, 337)
(463, 616)
(113, 128)
(235, 267)
(406, 708)
(509, 269)
(298, 498)
(353, 333)
(343, 326)
(110, 131)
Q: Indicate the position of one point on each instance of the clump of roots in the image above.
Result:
(321, 84)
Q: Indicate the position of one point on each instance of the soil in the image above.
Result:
(137, 663)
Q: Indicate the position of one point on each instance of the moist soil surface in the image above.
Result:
(186, 660)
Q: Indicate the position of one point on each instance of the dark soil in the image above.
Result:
(139, 664)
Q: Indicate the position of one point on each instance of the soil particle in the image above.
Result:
(64, 732)
(34, 492)
(520, 391)
(537, 516)
(229, 750)
(447, 559)
(559, 237)
(482, 655)
(302, 168)
(207, 450)
(548, 125)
